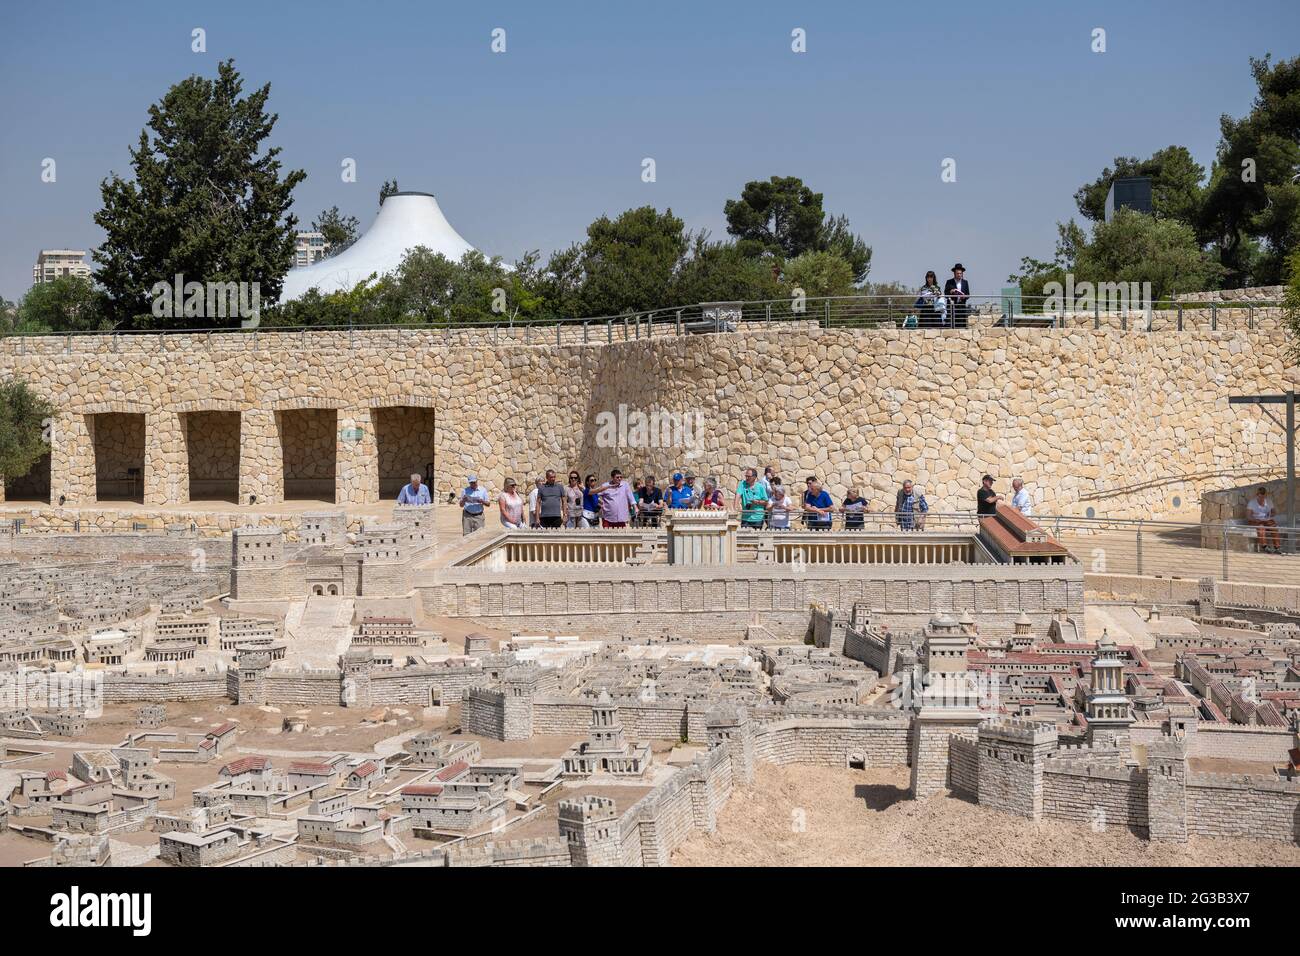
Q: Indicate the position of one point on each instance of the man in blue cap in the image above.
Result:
(680, 494)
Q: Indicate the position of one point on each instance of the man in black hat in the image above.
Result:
(957, 290)
(986, 499)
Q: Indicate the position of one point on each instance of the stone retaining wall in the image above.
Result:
(1116, 420)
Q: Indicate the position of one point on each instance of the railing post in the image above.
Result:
(584, 332)
(609, 330)
(1139, 548)
(769, 312)
(1224, 575)
(827, 323)
(679, 321)
(1179, 306)
(1214, 316)
(557, 333)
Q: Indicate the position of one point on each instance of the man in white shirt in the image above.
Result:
(1261, 513)
(1020, 499)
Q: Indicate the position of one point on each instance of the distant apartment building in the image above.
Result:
(54, 264)
(308, 248)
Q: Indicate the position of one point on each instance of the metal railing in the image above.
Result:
(903, 311)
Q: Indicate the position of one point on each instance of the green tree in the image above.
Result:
(67, 304)
(1175, 185)
(559, 283)
(373, 301)
(1293, 303)
(721, 272)
(389, 188)
(1134, 247)
(819, 274)
(1035, 273)
(781, 216)
(8, 317)
(338, 230)
(24, 428)
(629, 263)
(206, 201)
(1251, 210)
(836, 237)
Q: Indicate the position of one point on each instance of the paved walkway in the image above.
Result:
(1169, 556)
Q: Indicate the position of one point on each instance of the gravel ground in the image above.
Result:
(822, 816)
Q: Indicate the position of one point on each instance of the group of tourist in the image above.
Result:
(761, 502)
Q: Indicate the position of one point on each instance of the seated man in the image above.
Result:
(415, 493)
(1261, 513)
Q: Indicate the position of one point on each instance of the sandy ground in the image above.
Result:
(820, 816)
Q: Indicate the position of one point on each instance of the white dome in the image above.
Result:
(405, 220)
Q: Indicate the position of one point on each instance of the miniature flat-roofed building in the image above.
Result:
(430, 750)
(306, 774)
(198, 849)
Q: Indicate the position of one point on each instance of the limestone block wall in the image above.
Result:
(964, 765)
(1118, 420)
(640, 602)
(671, 813)
(212, 448)
(1262, 293)
(1109, 796)
(830, 742)
(1237, 806)
(1241, 742)
(119, 446)
(128, 688)
(304, 688)
(420, 686)
(407, 442)
(310, 441)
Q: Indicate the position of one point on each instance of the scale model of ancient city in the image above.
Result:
(298, 683)
(271, 597)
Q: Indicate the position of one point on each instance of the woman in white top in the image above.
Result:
(511, 504)
(534, 513)
(779, 512)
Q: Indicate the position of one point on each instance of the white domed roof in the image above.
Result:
(405, 220)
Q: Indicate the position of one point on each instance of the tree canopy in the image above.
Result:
(24, 428)
(783, 217)
(338, 230)
(207, 200)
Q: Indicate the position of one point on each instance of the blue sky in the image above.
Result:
(525, 148)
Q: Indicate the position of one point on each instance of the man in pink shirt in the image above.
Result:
(617, 501)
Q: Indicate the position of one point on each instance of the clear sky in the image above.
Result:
(525, 148)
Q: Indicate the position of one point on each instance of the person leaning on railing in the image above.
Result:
(855, 509)
(751, 500)
(818, 506)
(910, 508)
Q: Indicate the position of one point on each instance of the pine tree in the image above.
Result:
(206, 202)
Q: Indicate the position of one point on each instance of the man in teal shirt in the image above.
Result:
(751, 500)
